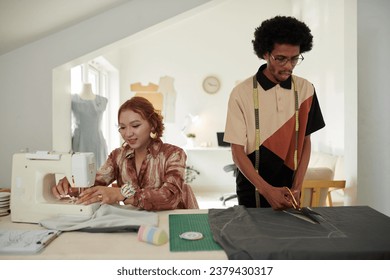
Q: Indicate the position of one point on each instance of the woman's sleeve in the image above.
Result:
(169, 195)
(108, 171)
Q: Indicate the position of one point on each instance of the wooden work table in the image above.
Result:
(106, 246)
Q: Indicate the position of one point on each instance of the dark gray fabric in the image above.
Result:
(357, 232)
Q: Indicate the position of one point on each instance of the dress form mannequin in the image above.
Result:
(87, 115)
(86, 92)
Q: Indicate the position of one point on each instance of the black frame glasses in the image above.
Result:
(282, 60)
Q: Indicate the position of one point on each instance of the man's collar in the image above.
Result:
(266, 83)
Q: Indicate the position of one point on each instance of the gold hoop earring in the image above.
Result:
(153, 135)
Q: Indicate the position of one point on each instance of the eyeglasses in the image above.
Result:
(282, 60)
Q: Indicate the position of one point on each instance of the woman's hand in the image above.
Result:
(63, 189)
(101, 194)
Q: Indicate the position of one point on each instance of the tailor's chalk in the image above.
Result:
(152, 235)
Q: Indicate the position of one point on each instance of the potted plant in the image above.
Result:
(190, 139)
(191, 173)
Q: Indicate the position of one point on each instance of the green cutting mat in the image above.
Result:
(179, 223)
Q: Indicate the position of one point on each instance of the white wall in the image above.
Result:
(26, 73)
(218, 41)
(325, 67)
(350, 101)
(215, 41)
(374, 100)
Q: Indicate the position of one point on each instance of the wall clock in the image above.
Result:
(211, 84)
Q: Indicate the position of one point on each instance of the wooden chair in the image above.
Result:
(317, 188)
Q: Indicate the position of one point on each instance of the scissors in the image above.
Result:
(304, 213)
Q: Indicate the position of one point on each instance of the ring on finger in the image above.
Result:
(100, 197)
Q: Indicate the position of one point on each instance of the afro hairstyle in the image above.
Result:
(281, 30)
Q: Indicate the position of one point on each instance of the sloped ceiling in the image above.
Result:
(25, 21)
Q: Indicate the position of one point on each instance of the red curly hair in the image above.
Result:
(144, 107)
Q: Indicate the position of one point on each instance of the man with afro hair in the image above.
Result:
(271, 116)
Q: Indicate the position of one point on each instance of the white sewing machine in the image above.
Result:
(33, 175)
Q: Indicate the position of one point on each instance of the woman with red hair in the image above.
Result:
(149, 174)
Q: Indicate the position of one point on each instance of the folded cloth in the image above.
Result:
(107, 218)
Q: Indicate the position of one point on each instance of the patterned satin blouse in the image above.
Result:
(160, 184)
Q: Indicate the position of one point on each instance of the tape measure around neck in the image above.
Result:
(256, 103)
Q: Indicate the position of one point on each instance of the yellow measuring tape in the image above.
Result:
(256, 103)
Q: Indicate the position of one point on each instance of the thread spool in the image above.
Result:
(152, 235)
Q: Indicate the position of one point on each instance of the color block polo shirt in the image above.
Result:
(277, 125)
